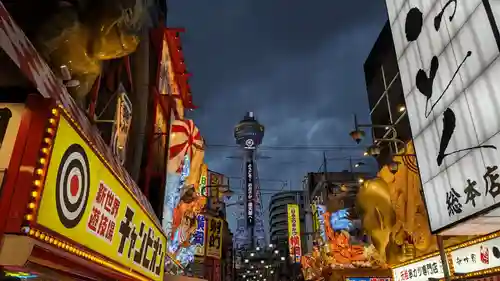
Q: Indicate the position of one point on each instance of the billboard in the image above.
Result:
(214, 238)
(83, 201)
(319, 221)
(448, 60)
(250, 193)
(294, 242)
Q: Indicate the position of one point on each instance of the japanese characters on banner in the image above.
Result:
(319, 212)
(294, 242)
(420, 271)
(448, 61)
(202, 187)
(250, 193)
(214, 238)
(102, 219)
(484, 255)
(199, 235)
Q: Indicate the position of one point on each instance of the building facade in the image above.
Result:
(385, 94)
(278, 217)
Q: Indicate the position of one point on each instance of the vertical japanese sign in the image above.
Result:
(294, 242)
(121, 126)
(202, 187)
(250, 192)
(214, 238)
(320, 220)
(199, 235)
(447, 55)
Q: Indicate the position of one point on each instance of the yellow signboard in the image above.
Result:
(202, 187)
(294, 242)
(315, 218)
(83, 201)
(214, 238)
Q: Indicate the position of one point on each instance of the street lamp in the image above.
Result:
(374, 149)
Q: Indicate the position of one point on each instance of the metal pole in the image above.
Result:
(444, 259)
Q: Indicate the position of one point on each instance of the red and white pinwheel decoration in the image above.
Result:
(184, 136)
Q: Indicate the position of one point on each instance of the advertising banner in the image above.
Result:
(448, 60)
(294, 241)
(121, 126)
(83, 201)
(250, 193)
(202, 187)
(199, 239)
(431, 268)
(481, 256)
(319, 218)
(214, 238)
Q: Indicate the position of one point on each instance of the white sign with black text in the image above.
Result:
(250, 193)
(420, 271)
(477, 257)
(448, 61)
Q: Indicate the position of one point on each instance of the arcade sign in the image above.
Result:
(250, 193)
(83, 201)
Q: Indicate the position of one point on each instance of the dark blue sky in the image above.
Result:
(297, 64)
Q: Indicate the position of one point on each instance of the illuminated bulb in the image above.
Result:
(282, 258)
(50, 131)
(51, 240)
(37, 234)
(42, 236)
(45, 150)
(42, 161)
(54, 111)
(47, 238)
(252, 254)
(38, 183)
(365, 153)
(276, 251)
(47, 140)
(361, 180)
(39, 171)
(401, 108)
(31, 205)
(29, 217)
(262, 261)
(52, 121)
(34, 193)
(31, 232)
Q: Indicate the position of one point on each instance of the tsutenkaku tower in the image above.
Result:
(250, 232)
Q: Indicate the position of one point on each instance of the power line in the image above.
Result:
(294, 147)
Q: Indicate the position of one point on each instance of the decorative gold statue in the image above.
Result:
(82, 34)
(393, 212)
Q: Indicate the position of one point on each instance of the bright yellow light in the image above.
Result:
(402, 108)
(361, 180)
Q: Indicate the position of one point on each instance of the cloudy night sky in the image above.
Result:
(297, 64)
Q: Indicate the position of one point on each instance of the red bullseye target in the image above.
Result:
(72, 186)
